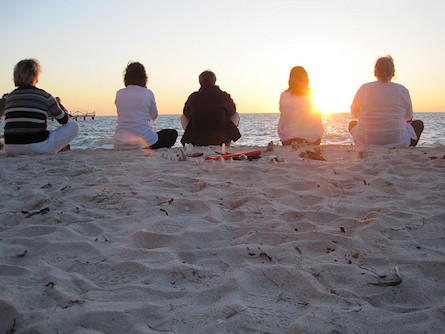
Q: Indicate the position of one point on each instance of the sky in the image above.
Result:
(251, 45)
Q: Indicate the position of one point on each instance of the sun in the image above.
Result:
(332, 93)
(330, 75)
(331, 99)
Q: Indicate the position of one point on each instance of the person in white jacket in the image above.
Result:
(383, 111)
(300, 121)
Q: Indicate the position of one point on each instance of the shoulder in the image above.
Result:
(227, 95)
(402, 88)
(397, 88)
(369, 85)
(122, 91)
(366, 87)
(15, 91)
(133, 89)
(285, 94)
(39, 90)
(31, 90)
(143, 91)
(193, 96)
(220, 90)
(147, 91)
(403, 93)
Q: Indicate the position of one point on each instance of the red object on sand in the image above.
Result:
(255, 153)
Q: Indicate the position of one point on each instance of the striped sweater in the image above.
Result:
(26, 112)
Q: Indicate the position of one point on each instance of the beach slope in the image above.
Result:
(343, 240)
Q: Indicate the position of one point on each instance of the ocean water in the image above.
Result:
(256, 129)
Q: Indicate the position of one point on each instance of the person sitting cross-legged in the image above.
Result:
(136, 108)
(26, 111)
(209, 116)
(383, 111)
(300, 120)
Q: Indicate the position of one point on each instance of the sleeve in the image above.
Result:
(187, 111)
(408, 105)
(231, 107)
(280, 103)
(153, 109)
(357, 103)
(56, 110)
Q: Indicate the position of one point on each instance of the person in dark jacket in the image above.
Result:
(209, 116)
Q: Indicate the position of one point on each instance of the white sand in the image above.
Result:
(133, 242)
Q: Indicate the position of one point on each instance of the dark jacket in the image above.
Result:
(209, 111)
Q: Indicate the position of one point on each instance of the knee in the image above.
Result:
(351, 125)
(184, 122)
(171, 134)
(419, 124)
(75, 127)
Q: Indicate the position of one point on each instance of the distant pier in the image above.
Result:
(80, 114)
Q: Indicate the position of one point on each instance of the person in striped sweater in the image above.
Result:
(26, 112)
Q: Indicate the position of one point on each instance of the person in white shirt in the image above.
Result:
(383, 111)
(136, 108)
(299, 120)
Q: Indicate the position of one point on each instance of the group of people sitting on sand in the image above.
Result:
(382, 111)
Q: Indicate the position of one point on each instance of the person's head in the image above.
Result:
(207, 78)
(298, 81)
(26, 72)
(384, 69)
(135, 74)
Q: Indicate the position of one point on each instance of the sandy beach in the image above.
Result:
(104, 241)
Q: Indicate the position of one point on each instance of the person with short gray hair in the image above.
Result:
(383, 111)
(26, 111)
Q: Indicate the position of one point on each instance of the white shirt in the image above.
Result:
(136, 107)
(299, 118)
(382, 110)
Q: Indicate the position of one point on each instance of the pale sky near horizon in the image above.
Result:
(251, 45)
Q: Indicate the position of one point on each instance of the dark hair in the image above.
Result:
(26, 72)
(207, 78)
(298, 81)
(135, 74)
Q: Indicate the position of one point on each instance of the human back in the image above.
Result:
(383, 110)
(300, 120)
(208, 113)
(210, 108)
(132, 103)
(136, 108)
(26, 112)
